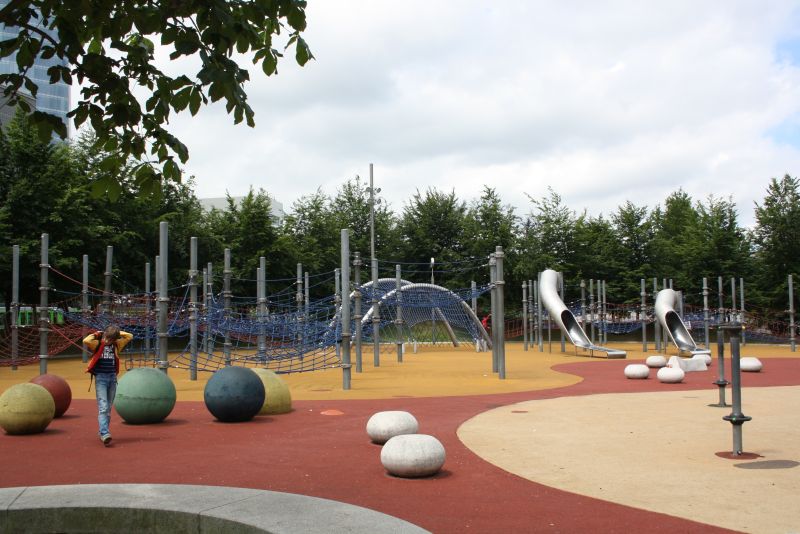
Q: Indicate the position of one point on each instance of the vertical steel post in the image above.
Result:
(583, 304)
(792, 332)
(148, 312)
(524, 316)
(211, 309)
(561, 294)
(226, 299)
(736, 417)
(85, 306)
(337, 299)
(657, 324)
(741, 311)
(205, 310)
(501, 321)
(193, 308)
(705, 313)
(474, 290)
(299, 299)
(376, 318)
(591, 309)
(262, 309)
(605, 313)
(44, 312)
(531, 314)
(643, 312)
(493, 311)
(107, 275)
(664, 331)
(721, 310)
(15, 306)
(733, 299)
(163, 296)
(398, 322)
(539, 339)
(357, 317)
(721, 382)
(345, 297)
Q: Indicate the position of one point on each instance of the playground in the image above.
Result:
(567, 444)
(542, 424)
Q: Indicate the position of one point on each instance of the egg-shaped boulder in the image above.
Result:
(637, 371)
(671, 375)
(383, 426)
(750, 364)
(413, 455)
(656, 361)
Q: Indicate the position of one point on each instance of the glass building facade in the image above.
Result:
(50, 98)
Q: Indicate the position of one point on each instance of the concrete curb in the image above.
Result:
(183, 508)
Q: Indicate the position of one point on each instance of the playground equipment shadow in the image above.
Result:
(329, 456)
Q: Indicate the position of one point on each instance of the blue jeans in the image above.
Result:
(105, 390)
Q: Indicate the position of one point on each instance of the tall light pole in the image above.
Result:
(376, 320)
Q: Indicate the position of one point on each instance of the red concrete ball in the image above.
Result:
(58, 388)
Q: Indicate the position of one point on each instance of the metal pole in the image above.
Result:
(531, 315)
(163, 297)
(538, 312)
(733, 299)
(656, 324)
(583, 304)
(44, 312)
(705, 311)
(15, 306)
(193, 308)
(433, 310)
(721, 310)
(664, 332)
(736, 417)
(643, 312)
(85, 306)
(591, 309)
(741, 311)
(561, 293)
(501, 337)
(399, 318)
(605, 313)
(345, 297)
(357, 317)
(262, 308)
(376, 320)
(524, 316)
(148, 311)
(721, 382)
(210, 297)
(205, 310)
(107, 274)
(792, 332)
(337, 299)
(299, 299)
(306, 307)
(474, 288)
(493, 311)
(226, 299)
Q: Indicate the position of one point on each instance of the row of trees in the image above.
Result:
(49, 188)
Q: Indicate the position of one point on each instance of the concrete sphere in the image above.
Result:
(26, 409)
(413, 455)
(144, 396)
(234, 394)
(383, 426)
(637, 370)
(58, 388)
(278, 398)
(671, 375)
(750, 364)
(656, 361)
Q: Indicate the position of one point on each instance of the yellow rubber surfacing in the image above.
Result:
(432, 372)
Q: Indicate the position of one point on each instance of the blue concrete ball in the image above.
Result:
(234, 394)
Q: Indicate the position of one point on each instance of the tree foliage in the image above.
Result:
(109, 48)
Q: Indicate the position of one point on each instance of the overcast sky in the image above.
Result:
(602, 101)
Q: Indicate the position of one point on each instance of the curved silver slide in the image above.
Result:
(672, 323)
(548, 289)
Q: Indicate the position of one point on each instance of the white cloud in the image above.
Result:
(603, 102)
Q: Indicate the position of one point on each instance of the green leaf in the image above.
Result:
(194, 101)
(95, 47)
(302, 52)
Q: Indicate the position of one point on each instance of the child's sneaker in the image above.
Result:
(106, 439)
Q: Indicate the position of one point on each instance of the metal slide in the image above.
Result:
(548, 290)
(672, 323)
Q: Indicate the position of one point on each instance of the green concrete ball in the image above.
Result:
(26, 409)
(278, 397)
(144, 396)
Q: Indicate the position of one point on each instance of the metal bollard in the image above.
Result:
(736, 417)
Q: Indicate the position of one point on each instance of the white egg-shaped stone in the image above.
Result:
(750, 364)
(670, 375)
(637, 370)
(413, 455)
(383, 426)
(657, 361)
(703, 356)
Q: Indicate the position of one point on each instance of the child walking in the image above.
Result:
(104, 367)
